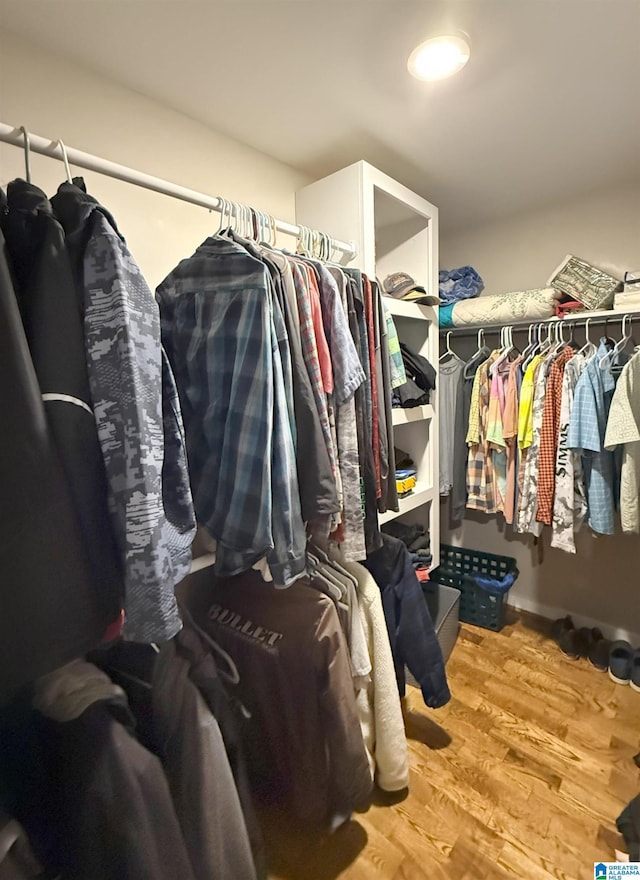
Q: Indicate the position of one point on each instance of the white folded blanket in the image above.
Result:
(505, 308)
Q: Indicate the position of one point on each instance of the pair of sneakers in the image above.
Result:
(619, 658)
(624, 664)
(576, 642)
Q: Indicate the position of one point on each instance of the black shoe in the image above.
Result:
(560, 627)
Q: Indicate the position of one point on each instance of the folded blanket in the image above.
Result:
(505, 308)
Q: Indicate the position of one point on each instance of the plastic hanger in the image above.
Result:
(606, 361)
(588, 349)
(481, 354)
(65, 159)
(27, 153)
(449, 353)
(506, 347)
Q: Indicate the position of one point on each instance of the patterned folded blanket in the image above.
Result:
(504, 308)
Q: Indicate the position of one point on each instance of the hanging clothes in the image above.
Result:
(195, 762)
(94, 802)
(549, 433)
(378, 701)
(239, 441)
(528, 509)
(52, 318)
(480, 473)
(137, 414)
(449, 379)
(389, 498)
(623, 429)
(587, 428)
(510, 436)
(570, 502)
(364, 408)
(353, 543)
(460, 455)
(303, 738)
(318, 493)
(41, 627)
(412, 637)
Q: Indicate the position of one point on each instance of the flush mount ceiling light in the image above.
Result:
(439, 57)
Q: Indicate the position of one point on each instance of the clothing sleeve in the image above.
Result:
(473, 431)
(398, 374)
(197, 769)
(348, 374)
(322, 345)
(494, 420)
(622, 424)
(122, 333)
(510, 417)
(417, 643)
(392, 763)
(584, 432)
(348, 773)
(547, 452)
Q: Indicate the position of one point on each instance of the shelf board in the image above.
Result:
(400, 416)
(399, 308)
(420, 495)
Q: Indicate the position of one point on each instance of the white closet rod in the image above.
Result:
(14, 136)
(600, 317)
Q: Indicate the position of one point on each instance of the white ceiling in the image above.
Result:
(547, 107)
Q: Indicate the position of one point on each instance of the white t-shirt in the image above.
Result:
(623, 429)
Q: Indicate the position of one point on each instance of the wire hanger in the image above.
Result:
(27, 153)
(65, 159)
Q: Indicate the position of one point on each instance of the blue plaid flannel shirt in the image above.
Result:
(218, 327)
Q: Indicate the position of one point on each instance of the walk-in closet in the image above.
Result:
(320, 459)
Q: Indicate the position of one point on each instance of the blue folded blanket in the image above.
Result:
(459, 284)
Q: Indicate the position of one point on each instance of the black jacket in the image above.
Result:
(95, 803)
(51, 608)
(414, 642)
(52, 319)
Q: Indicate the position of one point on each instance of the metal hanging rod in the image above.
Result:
(17, 137)
(599, 317)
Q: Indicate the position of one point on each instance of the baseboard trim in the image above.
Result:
(552, 613)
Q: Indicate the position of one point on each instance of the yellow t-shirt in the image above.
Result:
(525, 411)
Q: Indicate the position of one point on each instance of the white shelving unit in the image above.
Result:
(394, 230)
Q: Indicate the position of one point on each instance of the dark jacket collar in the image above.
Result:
(23, 196)
(73, 207)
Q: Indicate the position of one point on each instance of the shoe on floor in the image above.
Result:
(599, 653)
(620, 658)
(560, 627)
(574, 643)
(634, 680)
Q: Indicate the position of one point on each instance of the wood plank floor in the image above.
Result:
(521, 775)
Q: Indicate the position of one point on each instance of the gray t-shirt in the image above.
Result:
(448, 390)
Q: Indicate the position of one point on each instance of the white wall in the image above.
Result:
(601, 584)
(55, 98)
